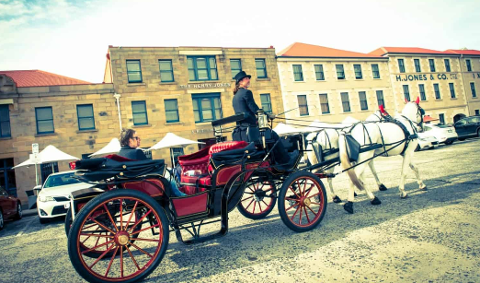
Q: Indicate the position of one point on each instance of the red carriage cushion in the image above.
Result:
(229, 145)
(118, 158)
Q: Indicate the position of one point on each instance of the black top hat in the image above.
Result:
(240, 76)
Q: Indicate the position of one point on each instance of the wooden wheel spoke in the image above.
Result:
(121, 214)
(96, 247)
(247, 198)
(293, 216)
(96, 235)
(312, 211)
(121, 261)
(249, 204)
(260, 207)
(292, 199)
(309, 190)
(290, 188)
(137, 232)
(133, 212)
(141, 250)
(300, 218)
(265, 203)
(314, 195)
(254, 205)
(304, 187)
(146, 240)
(110, 216)
(306, 214)
(133, 259)
(111, 261)
(296, 204)
(103, 226)
(140, 220)
(101, 256)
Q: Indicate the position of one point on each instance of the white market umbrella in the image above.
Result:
(112, 147)
(47, 155)
(171, 140)
(284, 130)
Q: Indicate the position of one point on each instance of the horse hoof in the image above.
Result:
(375, 201)
(424, 188)
(354, 194)
(404, 196)
(382, 187)
(348, 207)
(336, 199)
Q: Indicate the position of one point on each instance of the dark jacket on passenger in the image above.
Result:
(243, 102)
(132, 153)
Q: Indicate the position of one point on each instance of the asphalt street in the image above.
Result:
(432, 236)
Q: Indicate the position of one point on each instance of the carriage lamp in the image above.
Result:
(262, 119)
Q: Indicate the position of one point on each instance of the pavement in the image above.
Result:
(432, 236)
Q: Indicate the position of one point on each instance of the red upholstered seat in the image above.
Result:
(229, 145)
(118, 158)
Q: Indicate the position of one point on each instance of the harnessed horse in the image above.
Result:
(397, 137)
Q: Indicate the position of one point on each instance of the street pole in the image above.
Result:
(117, 97)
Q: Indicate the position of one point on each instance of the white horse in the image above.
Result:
(327, 138)
(390, 135)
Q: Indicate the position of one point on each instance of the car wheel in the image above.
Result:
(19, 213)
(478, 132)
(448, 142)
(461, 139)
(2, 223)
(43, 220)
(418, 148)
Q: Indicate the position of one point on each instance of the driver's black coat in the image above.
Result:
(243, 102)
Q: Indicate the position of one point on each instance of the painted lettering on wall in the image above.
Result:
(199, 131)
(404, 78)
(206, 85)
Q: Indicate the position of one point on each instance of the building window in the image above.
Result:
(266, 102)
(297, 73)
(421, 89)
(406, 93)
(202, 68)
(44, 117)
(134, 71)
(7, 177)
(345, 101)
(302, 104)
(235, 66)
(431, 62)
(375, 71)
(340, 72)
(324, 103)
(4, 121)
(418, 68)
(441, 117)
(469, 65)
(472, 87)
(319, 74)
(401, 66)
(86, 119)
(261, 68)
(380, 99)
(477, 112)
(363, 100)
(447, 65)
(171, 110)
(206, 107)
(358, 71)
(166, 71)
(437, 91)
(452, 90)
(139, 111)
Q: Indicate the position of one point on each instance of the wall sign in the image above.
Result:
(404, 78)
(204, 85)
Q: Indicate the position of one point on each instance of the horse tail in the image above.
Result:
(345, 162)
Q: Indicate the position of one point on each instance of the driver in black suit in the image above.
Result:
(243, 102)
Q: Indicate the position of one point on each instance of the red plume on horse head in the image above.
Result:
(418, 100)
(382, 109)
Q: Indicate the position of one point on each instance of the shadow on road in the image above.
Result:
(247, 244)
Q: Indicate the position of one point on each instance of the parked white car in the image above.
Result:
(426, 141)
(54, 198)
(443, 133)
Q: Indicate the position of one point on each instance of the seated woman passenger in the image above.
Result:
(130, 142)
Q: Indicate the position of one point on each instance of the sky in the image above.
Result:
(71, 38)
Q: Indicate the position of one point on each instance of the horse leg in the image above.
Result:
(401, 187)
(373, 199)
(335, 197)
(348, 206)
(421, 185)
(381, 187)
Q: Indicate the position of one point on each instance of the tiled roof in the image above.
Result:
(406, 50)
(464, 52)
(299, 49)
(31, 78)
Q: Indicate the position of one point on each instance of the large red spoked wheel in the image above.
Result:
(302, 201)
(136, 253)
(259, 198)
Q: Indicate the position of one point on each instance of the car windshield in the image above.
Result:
(60, 180)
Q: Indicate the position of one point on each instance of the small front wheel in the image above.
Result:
(107, 224)
(302, 201)
(259, 198)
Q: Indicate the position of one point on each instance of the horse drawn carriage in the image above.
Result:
(120, 229)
